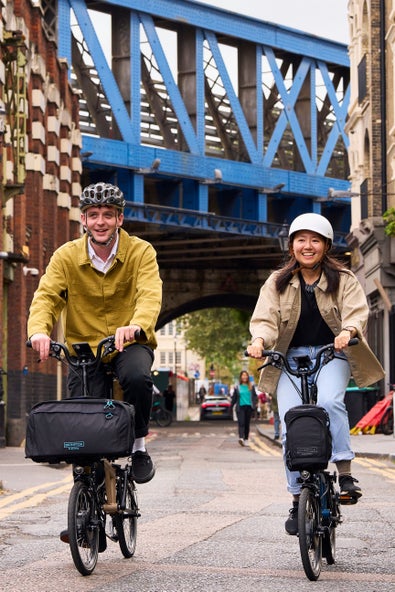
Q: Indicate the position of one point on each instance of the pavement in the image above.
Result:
(370, 445)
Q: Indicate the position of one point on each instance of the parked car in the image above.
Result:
(216, 407)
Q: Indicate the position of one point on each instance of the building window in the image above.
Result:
(364, 199)
(162, 358)
(362, 81)
(163, 331)
(170, 358)
(170, 329)
(178, 358)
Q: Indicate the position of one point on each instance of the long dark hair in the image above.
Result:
(331, 266)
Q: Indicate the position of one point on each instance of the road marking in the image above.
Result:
(261, 447)
(376, 466)
(33, 496)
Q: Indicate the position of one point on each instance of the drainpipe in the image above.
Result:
(383, 109)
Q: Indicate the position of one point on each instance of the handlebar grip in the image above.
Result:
(353, 341)
(28, 343)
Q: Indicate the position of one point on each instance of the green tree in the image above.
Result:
(220, 335)
(389, 219)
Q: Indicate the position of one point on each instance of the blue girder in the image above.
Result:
(259, 180)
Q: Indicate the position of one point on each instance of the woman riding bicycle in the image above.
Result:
(314, 300)
(106, 282)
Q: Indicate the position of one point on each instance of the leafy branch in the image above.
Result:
(389, 219)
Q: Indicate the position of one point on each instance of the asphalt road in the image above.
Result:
(212, 520)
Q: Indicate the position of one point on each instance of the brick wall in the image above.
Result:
(40, 220)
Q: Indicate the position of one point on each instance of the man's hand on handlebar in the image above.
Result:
(125, 335)
(40, 342)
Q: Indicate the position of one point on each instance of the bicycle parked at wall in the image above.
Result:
(309, 452)
(386, 425)
(90, 434)
(161, 416)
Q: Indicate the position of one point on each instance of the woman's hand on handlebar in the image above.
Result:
(125, 335)
(342, 340)
(255, 348)
(41, 343)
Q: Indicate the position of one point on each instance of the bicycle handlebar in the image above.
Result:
(279, 360)
(105, 347)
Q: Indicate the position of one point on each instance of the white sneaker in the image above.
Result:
(246, 443)
(241, 441)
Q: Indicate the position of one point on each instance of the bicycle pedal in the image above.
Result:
(348, 500)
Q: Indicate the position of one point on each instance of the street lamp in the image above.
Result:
(283, 239)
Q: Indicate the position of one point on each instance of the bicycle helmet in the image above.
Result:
(315, 223)
(101, 194)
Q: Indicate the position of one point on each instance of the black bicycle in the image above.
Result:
(161, 416)
(319, 503)
(103, 500)
(386, 425)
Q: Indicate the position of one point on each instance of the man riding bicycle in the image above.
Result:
(105, 283)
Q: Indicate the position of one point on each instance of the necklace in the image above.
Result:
(310, 287)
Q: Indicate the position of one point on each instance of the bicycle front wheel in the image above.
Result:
(310, 541)
(163, 418)
(83, 529)
(126, 523)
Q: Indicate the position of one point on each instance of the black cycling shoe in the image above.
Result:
(349, 492)
(64, 536)
(143, 468)
(291, 524)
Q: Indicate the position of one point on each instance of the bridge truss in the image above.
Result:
(219, 128)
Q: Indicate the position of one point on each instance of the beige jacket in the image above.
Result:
(276, 316)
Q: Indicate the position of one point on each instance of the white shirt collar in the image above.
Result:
(97, 262)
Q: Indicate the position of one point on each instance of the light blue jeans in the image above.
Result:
(332, 382)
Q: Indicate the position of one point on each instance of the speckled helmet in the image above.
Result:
(101, 194)
(314, 223)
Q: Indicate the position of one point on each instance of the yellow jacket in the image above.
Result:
(276, 316)
(93, 304)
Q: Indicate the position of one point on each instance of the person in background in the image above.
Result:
(276, 417)
(311, 301)
(245, 398)
(106, 282)
(169, 396)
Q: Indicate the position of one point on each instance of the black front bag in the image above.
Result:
(308, 443)
(78, 429)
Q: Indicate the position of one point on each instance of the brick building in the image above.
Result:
(370, 127)
(40, 183)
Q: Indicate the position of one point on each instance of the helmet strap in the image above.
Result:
(101, 244)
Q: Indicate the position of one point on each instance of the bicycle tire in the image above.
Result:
(83, 533)
(329, 545)
(387, 422)
(126, 523)
(310, 541)
(163, 417)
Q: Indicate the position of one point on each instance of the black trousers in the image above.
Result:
(244, 413)
(132, 367)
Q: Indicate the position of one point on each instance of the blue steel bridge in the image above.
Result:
(219, 128)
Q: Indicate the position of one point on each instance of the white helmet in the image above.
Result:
(315, 223)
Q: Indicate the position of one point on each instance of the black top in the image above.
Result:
(311, 328)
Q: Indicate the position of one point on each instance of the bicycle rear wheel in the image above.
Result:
(310, 541)
(82, 529)
(126, 523)
(163, 417)
(329, 545)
